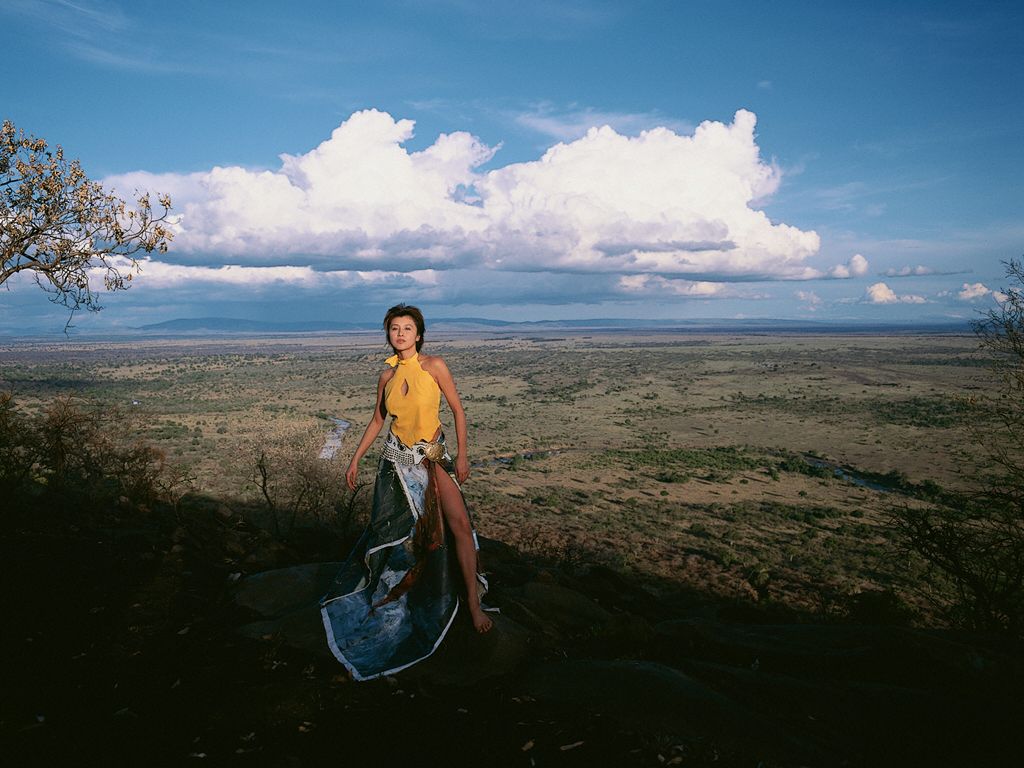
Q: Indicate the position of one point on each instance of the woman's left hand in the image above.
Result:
(461, 468)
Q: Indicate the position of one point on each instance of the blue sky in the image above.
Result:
(825, 161)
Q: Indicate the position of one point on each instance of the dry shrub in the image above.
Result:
(282, 468)
(81, 454)
(17, 450)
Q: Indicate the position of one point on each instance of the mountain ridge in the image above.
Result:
(244, 325)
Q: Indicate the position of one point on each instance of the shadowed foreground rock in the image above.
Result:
(281, 591)
(144, 648)
(875, 695)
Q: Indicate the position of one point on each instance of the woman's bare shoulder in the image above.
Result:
(433, 363)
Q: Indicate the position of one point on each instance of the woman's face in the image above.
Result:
(402, 333)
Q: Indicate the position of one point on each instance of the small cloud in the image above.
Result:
(162, 275)
(650, 285)
(857, 266)
(919, 271)
(908, 271)
(972, 291)
(810, 298)
(975, 291)
(880, 293)
(764, 85)
(573, 124)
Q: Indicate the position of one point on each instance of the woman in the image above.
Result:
(398, 593)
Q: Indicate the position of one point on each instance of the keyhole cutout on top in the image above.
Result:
(405, 388)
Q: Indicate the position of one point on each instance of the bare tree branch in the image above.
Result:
(66, 229)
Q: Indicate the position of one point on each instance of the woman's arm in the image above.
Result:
(439, 370)
(373, 430)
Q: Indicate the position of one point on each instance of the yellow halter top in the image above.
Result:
(413, 398)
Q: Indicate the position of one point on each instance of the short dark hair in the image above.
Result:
(406, 310)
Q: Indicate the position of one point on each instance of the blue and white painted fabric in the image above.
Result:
(396, 596)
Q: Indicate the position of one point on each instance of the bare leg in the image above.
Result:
(458, 521)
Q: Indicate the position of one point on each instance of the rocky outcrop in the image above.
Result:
(805, 692)
(281, 591)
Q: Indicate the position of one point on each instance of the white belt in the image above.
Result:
(395, 450)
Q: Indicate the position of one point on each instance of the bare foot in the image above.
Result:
(481, 621)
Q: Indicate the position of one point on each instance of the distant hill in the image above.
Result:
(236, 325)
(200, 325)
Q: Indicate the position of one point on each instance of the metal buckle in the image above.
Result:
(433, 451)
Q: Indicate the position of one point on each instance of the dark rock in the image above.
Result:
(466, 656)
(497, 555)
(566, 609)
(302, 630)
(267, 553)
(611, 588)
(503, 564)
(522, 614)
(278, 592)
(623, 635)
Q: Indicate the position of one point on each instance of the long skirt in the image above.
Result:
(397, 594)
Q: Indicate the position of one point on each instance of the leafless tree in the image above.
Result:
(282, 465)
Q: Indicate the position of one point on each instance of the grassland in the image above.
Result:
(682, 457)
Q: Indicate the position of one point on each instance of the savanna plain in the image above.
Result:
(762, 467)
(691, 537)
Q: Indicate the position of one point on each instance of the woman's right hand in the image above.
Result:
(351, 473)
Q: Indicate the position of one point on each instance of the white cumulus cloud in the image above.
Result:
(880, 293)
(659, 204)
(857, 266)
(353, 195)
(973, 291)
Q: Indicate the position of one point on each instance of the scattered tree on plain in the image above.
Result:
(57, 225)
